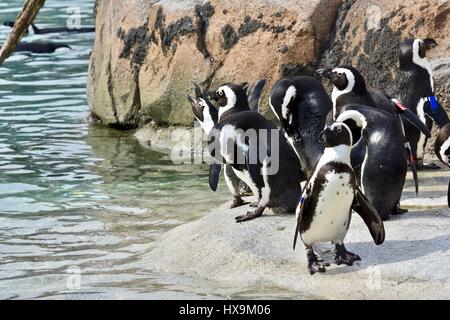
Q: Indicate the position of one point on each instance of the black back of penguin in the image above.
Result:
(302, 105)
(380, 141)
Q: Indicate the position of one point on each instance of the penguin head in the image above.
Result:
(230, 96)
(204, 112)
(413, 52)
(344, 78)
(335, 135)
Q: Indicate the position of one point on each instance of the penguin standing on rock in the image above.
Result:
(208, 116)
(257, 153)
(325, 208)
(414, 88)
(378, 156)
(301, 104)
(350, 90)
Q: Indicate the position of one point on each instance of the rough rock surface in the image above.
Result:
(411, 264)
(368, 33)
(147, 52)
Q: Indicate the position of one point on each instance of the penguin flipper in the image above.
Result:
(302, 206)
(255, 93)
(214, 173)
(370, 216)
(409, 116)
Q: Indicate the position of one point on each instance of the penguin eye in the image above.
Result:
(339, 129)
(220, 93)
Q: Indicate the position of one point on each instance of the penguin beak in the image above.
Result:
(429, 43)
(323, 73)
(191, 99)
(196, 108)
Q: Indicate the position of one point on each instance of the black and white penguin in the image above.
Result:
(255, 94)
(350, 88)
(231, 98)
(325, 208)
(378, 156)
(33, 29)
(442, 150)
(414, 87)
(301, 104)
(257, 152)
(40, 47)
(208, 117)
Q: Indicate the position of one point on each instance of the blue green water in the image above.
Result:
(76, 198)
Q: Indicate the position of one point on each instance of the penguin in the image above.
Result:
(442, 150)
(255, 94)
(207, 116)
(257, 153)
(325, 208)
(414, 88)
(350, 88)
(39, 47)
(301, 104)
(227, 97)
(378, 156)
(33, 29)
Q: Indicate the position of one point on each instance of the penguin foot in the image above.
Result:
(317, 266)
(429, 166)
(314, 263)
(237, 202)
(345, 257)
(398, 210)
(250, 215)
(254, 205)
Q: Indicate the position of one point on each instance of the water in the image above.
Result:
(76, 198)
(80, 199)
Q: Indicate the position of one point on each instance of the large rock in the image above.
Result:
(147, 53)
(411, 264)
(368, 34)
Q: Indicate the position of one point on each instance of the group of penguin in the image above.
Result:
(352, 149)
(45, 47)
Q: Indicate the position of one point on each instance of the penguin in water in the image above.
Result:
(257, 153)
(33, 29)
(442, 150)
(414, 88)
(40, 47)
(378, 156)
(325, 208)
(301, 104)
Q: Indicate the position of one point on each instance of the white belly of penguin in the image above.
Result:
(331, 219)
